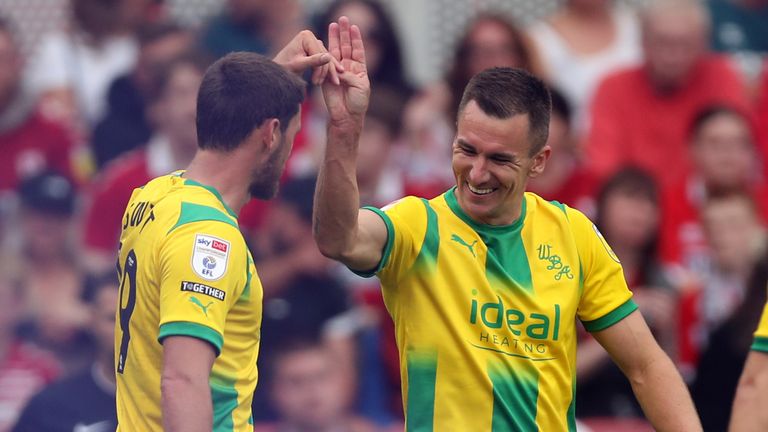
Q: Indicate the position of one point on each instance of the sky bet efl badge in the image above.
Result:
(209, 259)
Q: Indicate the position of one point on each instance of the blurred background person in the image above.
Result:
(628, 217)
(308, 392)
(724, 159)
(30, 143)
(733, 294)
(260, 26)
(24, 368)
(566, 179)
(489, 40)
(640, 115)
(48, 269)
(171, 147)
(85, 400)
(125, 125)
(301, 294)
(580, 44)
(383, 53)
(72, 69)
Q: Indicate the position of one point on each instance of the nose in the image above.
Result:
(479, 174)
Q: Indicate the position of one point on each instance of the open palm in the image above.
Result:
(349, 99)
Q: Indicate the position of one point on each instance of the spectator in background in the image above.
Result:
(172, 146)
(125, 125)
(724, 160)
(300, 293)
(56, 409)
(309, 393)
(565, 179)
(429, 121)
(383, 53)
(580, 44)
(260, 26)
(628, 217)
(74, 68)
(24, 369)
(732, 300)
(640, 115)
(761, 114)
(30, 143)
(48, 269)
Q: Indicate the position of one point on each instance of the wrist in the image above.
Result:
(349, 125)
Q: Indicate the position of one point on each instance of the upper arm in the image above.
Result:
(630, 343)
(605, 297)
(187, 359)
(204, 269)
(370, 241)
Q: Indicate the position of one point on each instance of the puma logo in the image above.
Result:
(198, 303)
(461, 241)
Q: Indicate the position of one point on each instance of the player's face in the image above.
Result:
(491, 164)
(266, 180)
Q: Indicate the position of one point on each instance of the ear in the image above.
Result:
(540, 161)
(271, 134)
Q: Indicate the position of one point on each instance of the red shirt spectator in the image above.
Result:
(24, 371)
(33, 146)
(633, 124)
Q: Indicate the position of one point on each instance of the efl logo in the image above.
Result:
(219, 246)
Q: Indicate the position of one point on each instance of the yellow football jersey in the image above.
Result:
(485, 316)
(184, 270)
(760, 342)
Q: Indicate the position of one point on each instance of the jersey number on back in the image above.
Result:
(127, 280)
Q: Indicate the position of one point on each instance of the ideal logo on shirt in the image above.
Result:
(210, 256)
(513, 332)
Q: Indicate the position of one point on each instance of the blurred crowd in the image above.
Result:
(659, 134)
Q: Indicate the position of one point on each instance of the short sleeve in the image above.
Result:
(605, 298)
(760, 342)
(204, 270)
(405, 219)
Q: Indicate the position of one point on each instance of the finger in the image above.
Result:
(344, 38)
(358, 50)
(320, 73)
(333, 40)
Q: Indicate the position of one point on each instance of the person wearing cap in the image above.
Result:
(49, 270)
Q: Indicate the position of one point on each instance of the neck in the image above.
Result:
(221, 170)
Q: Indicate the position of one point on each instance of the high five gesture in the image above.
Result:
(349, 100)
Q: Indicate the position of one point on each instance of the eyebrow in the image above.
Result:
(511, 156)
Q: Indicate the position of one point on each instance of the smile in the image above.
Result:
(480, 191)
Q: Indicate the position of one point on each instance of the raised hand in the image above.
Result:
(347, 101)
(306, 51)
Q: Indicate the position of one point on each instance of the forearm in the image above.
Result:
(337, 197)
(664, 397)
(187, 405)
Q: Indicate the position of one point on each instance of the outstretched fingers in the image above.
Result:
(345, 38)
(358, 49)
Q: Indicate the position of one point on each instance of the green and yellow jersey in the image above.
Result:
(760, 342)
(485, 316)
(184, 270)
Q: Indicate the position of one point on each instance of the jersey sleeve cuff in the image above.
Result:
(387, 247)
(760, 344)
(611, 317)
(195, 330)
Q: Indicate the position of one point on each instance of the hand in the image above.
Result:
(348, 100)
(306, 51)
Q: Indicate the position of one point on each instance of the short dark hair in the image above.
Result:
(503, 92)
(238, 93)
(703, 116)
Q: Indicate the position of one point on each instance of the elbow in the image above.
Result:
(331, 250)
